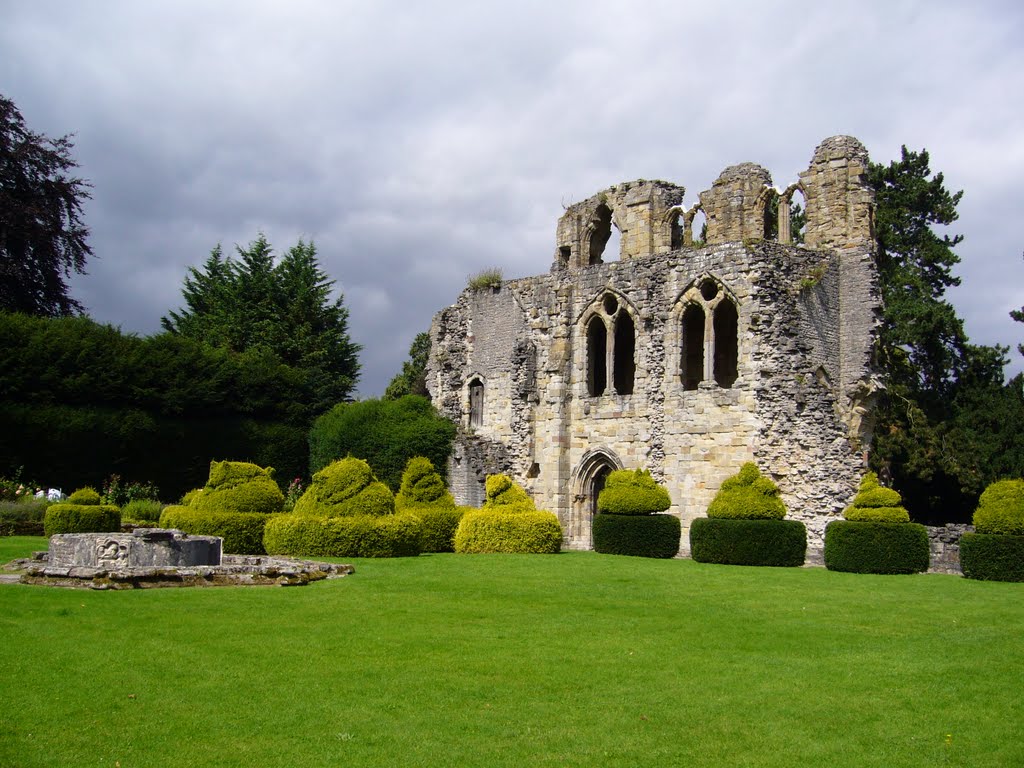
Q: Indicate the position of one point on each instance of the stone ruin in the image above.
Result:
(154, 557)
(688, 355)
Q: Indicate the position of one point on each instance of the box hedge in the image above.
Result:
(520, 532)
(876, 547)
(748, 542)
(632, 493)
(875, 503)
(345, 536)
(502, 492)
(422, 485)
(86, 496)
(637, 535)
(239, 486)
(747, 496)
(81, 518)
(439, 525)
(1001, 509)
(242, 531)
(345, 488)
(992, 556)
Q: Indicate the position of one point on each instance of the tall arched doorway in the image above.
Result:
(587, 481)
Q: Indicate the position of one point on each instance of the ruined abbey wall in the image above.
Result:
(686, 359)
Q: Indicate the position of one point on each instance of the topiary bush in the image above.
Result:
(874, 502)
(503, 492)
(345, 488)
(522, 531)
(438, 527)
(876, 547)
(747, 496)
(1001, 509)
(242, 532)
(347, 536)
(637, 535)
(992, 556)
(86, 496)
(422, 486)
(748, 542)
(632, 493)
(81, 518)
(239, 486)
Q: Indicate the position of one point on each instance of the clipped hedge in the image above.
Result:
(748, 542)
(747, 496)
(1001, 509)
(349, 536)
(632, 493)
(438, 527)
(992, 557)
(242, 532)
(875, 503)
(422, 485)
(86, 496)
(345, 488)
(857, 546)
(81, 518)
(502, 492)
(637, 535)
(239, 486)
(521, 532)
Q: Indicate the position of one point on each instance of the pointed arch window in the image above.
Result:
(710, 337)
(611, 349)
(476, 403)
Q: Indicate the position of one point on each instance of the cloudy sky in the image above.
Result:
(420, 143)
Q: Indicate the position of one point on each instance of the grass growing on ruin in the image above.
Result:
(577, 659)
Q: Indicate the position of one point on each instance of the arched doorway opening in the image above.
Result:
(588, 479)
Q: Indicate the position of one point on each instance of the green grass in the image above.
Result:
(577, 659)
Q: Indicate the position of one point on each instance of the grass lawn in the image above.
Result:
(577, 659)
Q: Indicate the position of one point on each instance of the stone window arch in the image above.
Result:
(611, 348)
(476, 402)
(708, 335)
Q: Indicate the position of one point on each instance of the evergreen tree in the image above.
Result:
(42, 237)
(412, 379)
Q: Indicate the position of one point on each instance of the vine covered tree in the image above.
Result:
(282, 306)
(42, 237)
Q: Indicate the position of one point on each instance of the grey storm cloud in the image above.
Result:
(417, 145)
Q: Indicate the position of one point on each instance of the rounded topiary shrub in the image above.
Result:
(242, 532)
(632, 493)
(346, 536)
(748, 496)
(992, 556)
(637, 535)
(1001, 509)
(81, 518)
(876, 547)
(86, 496)
(239, 486)
(875, 503)
(345, 488)
(422, 486)
(503, 492)
(495, 530)
(748, 542)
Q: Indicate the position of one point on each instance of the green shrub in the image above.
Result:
(640, 535)
(632, 493)
(119, 493)
(1001, 509)
(438, 527)
(876, 547)
(343, 489)
(351, 536)
(242, 532)
(495, 530)
(503, 492)
(239, 486)
(422, 486)
(189, 496)
(23, 517)
(747, 496)
(764, 542)
(87, 496)
(488, 279)
(992, 557)
(81, 518)
(875, 503)
(142, 511)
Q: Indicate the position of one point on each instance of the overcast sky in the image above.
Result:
(418, 144)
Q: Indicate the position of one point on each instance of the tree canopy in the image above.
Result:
(412, 379)
(42, 237)
(281, 305)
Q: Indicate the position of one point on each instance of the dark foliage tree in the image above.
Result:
(1018, 315)
(935, 438)
(42, 237)
(282, 306)
(412, 379)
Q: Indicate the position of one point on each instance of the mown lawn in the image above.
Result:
(577, 659)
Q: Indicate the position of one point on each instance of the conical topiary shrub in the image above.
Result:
(877, 535)
(627, 520)
(509, 522)
(424, 494)
(502, 492)
(744, 525)
(995, 551)
(345, 488)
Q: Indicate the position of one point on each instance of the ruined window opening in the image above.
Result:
(726, 324)
(602, 230)
(708, 289)
(693, 346)
(771, 215)
(476, 403)
(699, 229)
(610, 304)
(564, 253)
(600, 479)
(597, 352)
(624, 364)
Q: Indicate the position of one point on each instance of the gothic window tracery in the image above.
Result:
(709, 337)
(611, 349)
